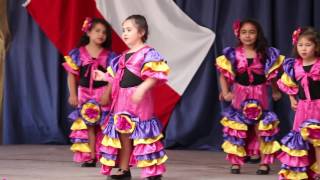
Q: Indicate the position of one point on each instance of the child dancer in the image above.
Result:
(249, 127)
(133, 132)
(300, 154)
(90, 97)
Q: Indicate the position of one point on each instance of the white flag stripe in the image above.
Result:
(178, 38)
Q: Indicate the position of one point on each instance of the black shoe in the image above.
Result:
(235, 170)
(253, 161)
(91, 163)
(125, 175)
(262, 171)
(157, 177)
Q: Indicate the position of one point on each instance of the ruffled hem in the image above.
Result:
(69, 69)
(153, 170)
(310, 131)
(155, 69)
(286, 85)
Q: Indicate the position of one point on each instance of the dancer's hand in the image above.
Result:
(228, 96)
(99, 75)
(293, 103)
(73, 100)
(276, 95)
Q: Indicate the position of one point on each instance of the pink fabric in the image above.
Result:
(314, 133)
(269, 132)
(242, 64)
(293, 161)
(84, 95)
(268, 159)
(242, 93)
(153, 170)
(236, 133)
(108, 149)
(81, 134)
(253, 146)
(142, 149)
(306, 109)
(303, 76)
(160, 76)
(233, 159)
(81, 157)
(287, 89)
(105, 170)
(226, 74)
(69, 69)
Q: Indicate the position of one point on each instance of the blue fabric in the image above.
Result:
(35, 105)
(194, 123)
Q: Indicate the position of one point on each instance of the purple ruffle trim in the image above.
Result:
(269, 117)
(230, 54)
(296, 169)
(151, 156)
(294, 140)
(147, 129)
(288, 67)
(75, 56)
(234, 140)
(77, 140)
(153, 56)
(310, 122)
(109, 156)
(273, 54)
(110, 129)
(233, 114)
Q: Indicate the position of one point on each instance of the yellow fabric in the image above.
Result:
(159, 66)
(233, 149)
(71, 63)
(110, 71)
(287, 80)
(233, 124)
(148, 140)
(305, 135)
(225, 64)
(315, 168)
(293, 175)
(81, 147)
(269, 147)
(78, 125)
(112, 142)
(277, 64)
(107, 162)
(147, 163)
(265, 127)
(294, 152)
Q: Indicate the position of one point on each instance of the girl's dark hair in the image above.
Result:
(312, 35)
(142, 25)
(84, 40)
(261, 44)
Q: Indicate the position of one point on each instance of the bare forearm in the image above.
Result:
(224, 84)
(148, 83)
(72, 84)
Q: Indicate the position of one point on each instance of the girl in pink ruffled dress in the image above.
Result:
(300, 156)
(133, 133)
(246, 71)
(91, 98)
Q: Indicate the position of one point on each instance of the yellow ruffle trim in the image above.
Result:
(233, 149)
(112, 142)
(81, 147)
(287, 174)
(294, 152)
(277, 64)
(287, 80)
(159, 66)
(78, 125)
(225, 64)
(107, 162)
(233, 124)
(71, 63)
(266, 127)
(269, 147)
(147, 163)
(148, 140)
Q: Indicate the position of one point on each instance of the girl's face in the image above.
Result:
(98, 34)
(248, 34)
(306, 48)
(130, 33)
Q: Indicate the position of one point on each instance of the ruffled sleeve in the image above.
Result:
(273, 63)
(287, 82)
(72, 61)
(112, 66)
(225, 63)
(154, 66)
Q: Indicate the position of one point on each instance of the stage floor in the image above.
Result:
(48, 162)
